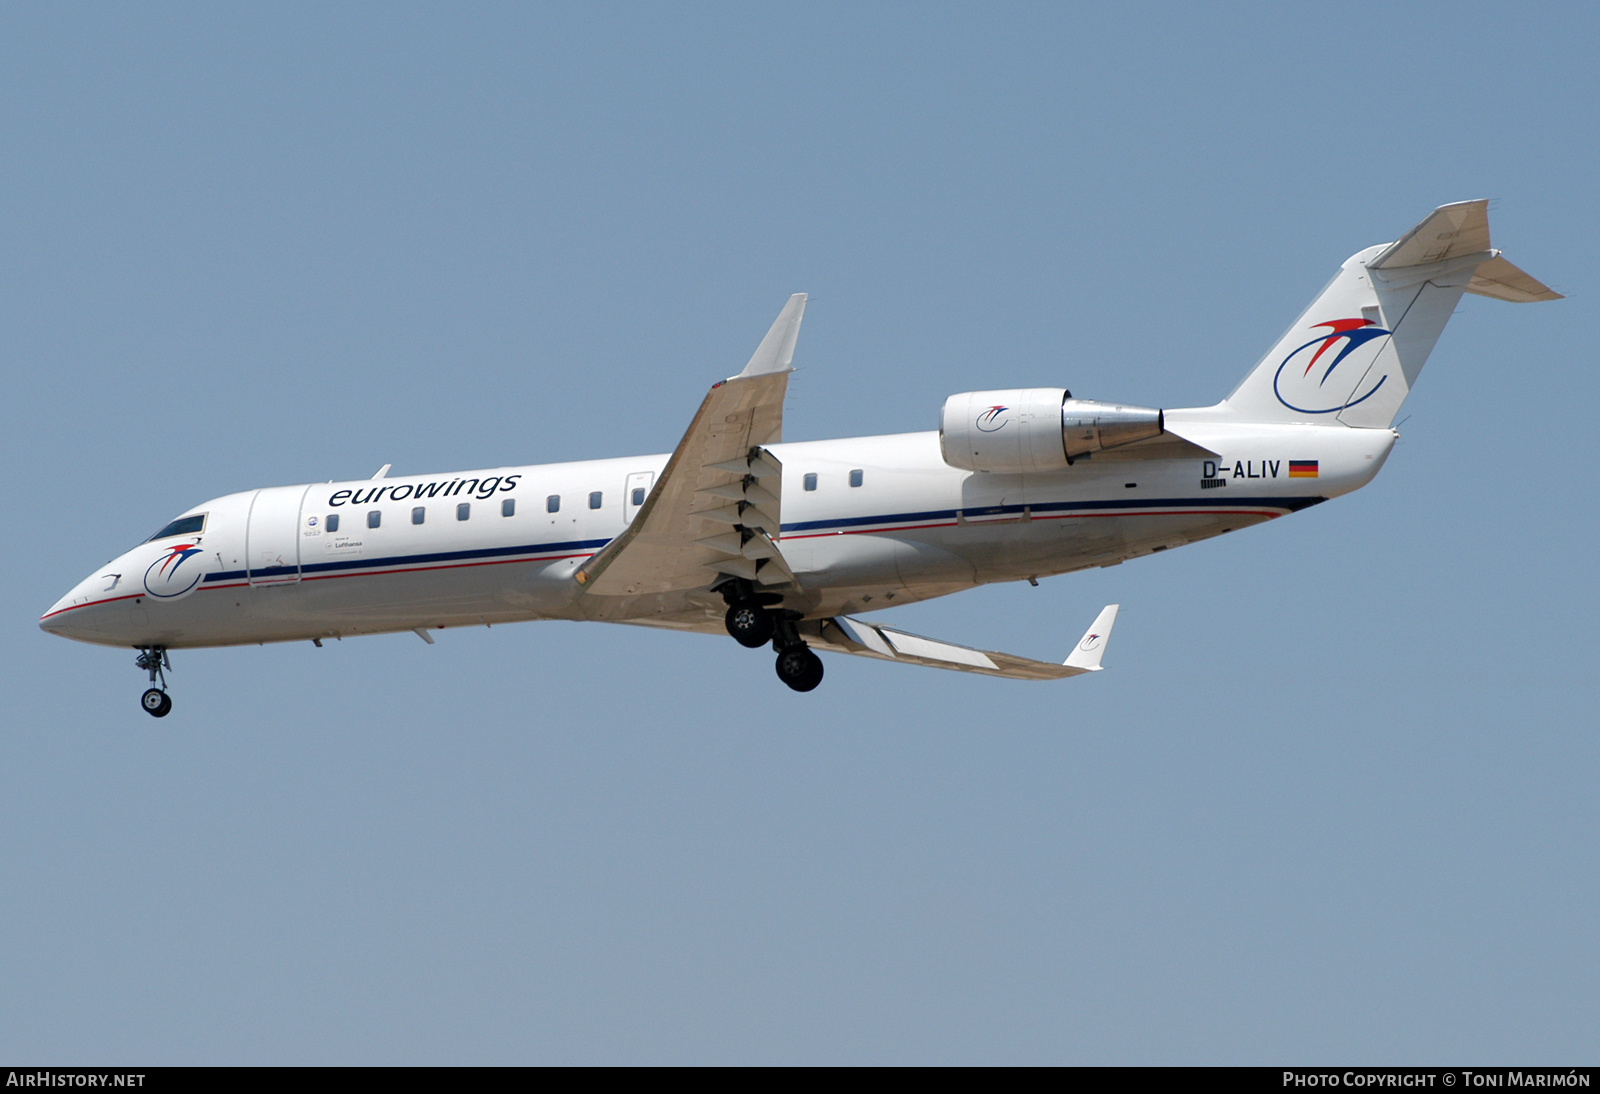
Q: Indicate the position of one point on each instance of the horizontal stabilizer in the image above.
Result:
(1503, 281)
(1450, 231)
(842, 634)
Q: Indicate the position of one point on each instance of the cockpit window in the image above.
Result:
(183, 526)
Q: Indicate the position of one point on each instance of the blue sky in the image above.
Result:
(1333, 800)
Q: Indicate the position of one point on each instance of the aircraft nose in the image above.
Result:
(82, 611)
(50, 621)
(58, 620)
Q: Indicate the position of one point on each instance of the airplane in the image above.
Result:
(778, 543)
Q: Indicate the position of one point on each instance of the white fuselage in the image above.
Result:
(268, 567)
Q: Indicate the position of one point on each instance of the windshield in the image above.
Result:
(183, 526)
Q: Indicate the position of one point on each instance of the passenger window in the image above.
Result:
(333, 522)
(374, 518)
(464, 511)
(418, 515)
(855, 477)
(594, 500)
(638, 495)
(552, 504)
(508, 507)
(810, 481)
(183, 526)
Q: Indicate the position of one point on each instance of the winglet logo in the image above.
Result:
(1300, 385)
(1090, 641)
(993, 419)
(168, 577)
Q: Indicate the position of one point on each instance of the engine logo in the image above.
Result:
(993, 420)
(170, 576)
(1300, 385)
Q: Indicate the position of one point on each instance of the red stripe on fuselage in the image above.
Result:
(445, 566)
(90, 604)
(321, 577)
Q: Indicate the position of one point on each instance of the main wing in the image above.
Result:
(715, 510)
(842, 634)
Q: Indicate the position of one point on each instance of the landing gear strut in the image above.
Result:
(156, 702)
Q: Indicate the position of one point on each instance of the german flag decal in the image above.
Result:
(1302, 469)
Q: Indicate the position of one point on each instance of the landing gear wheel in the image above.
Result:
(157, 703)
(750, 624)
(799, 668)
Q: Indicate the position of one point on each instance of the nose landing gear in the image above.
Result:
(155, 701)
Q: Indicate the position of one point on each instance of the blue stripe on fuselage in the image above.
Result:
(1293, 505)
(354, 565)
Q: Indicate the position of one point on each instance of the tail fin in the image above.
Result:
(1353, 356)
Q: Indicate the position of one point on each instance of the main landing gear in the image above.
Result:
(754, 619)
(750, 624)
(799, 668)
(156, 702)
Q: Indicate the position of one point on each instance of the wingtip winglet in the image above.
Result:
(1092, 646)
(776, 351)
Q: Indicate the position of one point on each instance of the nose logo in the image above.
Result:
(175, 572)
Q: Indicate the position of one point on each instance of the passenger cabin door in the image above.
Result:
(638, 489)
(272, 537)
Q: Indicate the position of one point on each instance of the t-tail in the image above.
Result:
(1353, 356)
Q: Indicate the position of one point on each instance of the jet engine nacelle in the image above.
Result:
(1035, 429)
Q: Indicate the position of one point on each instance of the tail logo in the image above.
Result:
(1090, 641)
(993, 420)
(170, 575)
(1302, 379)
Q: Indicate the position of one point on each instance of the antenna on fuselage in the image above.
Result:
(382, 471)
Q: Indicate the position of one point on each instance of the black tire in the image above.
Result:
(799, 668)
(750, 624)
(156, 703)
